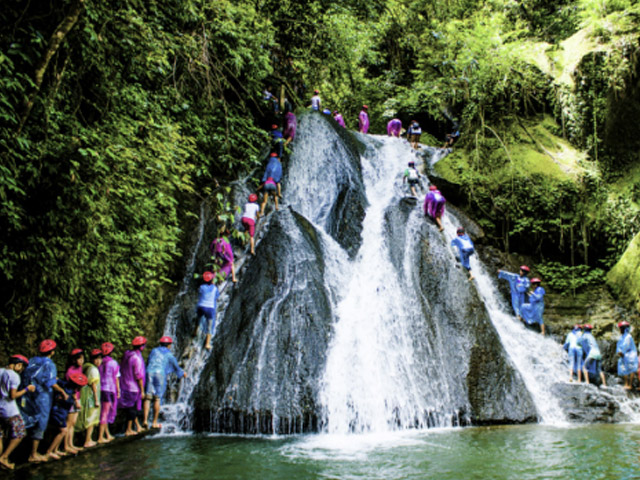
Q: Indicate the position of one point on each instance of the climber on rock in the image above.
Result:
(207, 304)
(337, 116)
(532, 312)
(453, 136)
(394, 128)
(273, 170)
(628, 355)
(249, 218)
(413, 134)
(363, 120)
(465, 249)
(519, 284)
(573, 346)
(316, 102)
(434, 204)
(277, 140)
(222, 252)
(593, 357)
(290, 126)
(412, 176)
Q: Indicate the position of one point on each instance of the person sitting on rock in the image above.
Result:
(519, 284)
(573, 346)
(434, 205)
(207, 304)
(465, 249)
(628, 355)
(532, 312)
(250, 216)
(394, 128)
(593, 357)
(412, 176)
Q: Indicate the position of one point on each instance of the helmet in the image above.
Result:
(412, 162)
(460, 231)
(524, 268)
(274, 127)
(577, 326)
(166, 339)
(433, 188)
(46, 346)
(95, 352)
(365, 107)
(207, 276)
(536, 280)
(273, 154)
(20, 358)
(587, 326)
(623, 324)
(107, 348)
(316, 92)
(75, 352)
(253, 197)
(335, 112)
(79, 379)
(136, 342)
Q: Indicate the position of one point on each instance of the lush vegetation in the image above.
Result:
(117, 118)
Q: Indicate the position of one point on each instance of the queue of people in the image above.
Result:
(522, 289)
(34, 398)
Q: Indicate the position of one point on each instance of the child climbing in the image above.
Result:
(413, 134)
(573, 346)
(532, 312)
(250, 216)
(412, 176)
(277, 140)
(290, 126)
(519, 284)
(207, 303)
(434, 204)
(223, 255)
(465, 249)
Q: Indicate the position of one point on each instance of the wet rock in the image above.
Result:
(584, 403)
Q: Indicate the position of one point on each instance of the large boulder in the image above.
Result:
(584, 403)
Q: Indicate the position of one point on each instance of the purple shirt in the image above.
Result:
(338, 118)
(434, 204)
(222, 250)
(132, 369)
(109, 373)
(363, 122)
(394, 127)
(290, 125)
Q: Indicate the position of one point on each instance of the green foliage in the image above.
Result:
(564, 278)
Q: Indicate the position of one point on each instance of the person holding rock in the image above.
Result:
(394, 127)
(207, 304)
(519, 284)
(593, 357)
(532, 312)
(628, 355)
(434, 204)
(222, 252)
(412, 176)
(465, 249)
(573, 346)
(249, 218)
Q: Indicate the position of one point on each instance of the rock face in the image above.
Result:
(584, 403)
(271, 344)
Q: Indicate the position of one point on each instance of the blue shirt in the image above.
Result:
(209, 294)
(274, 170)
(161, 360)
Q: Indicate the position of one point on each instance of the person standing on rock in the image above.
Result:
(593, 357)
(207, 304)
(628, 355)
(413, 134)
(316, 102)
(519, 284)
(532, 312)
(434, 204)
(465, 249)
(273, 171)
(133, 372)
(109, 392)
(363, 120)
(412, 176)
(394, 128)
(573, 346)
(250, 216)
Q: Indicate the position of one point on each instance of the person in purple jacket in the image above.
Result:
(337, 116)
(434, 204)
(132, 379)
(394, 128)
(109, 392)
(290, 126)
(221, 249)
(363, 120)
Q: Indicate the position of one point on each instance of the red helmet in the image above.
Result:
(274, 127)
(433, 188)
(20, 358)
(96, 352)
(587, 326)
(107, 348)
(365, 107)
(79, 379)
(316, 92)
(47, 345)
(460, 231)
(253, 197)
(577, 325)
(524, 268)
(136, 342)
(76, 351)
(207, 276)
(274, 154)
(623, 324)
(166, 339)
(536, 280)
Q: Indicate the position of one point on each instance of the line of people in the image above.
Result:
(522, 289)
(94, 388)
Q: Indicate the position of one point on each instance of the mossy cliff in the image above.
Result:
(624, 277)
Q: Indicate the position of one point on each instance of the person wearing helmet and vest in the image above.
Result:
(160, 364)
(363, 120)
(132, 370)
(89, 416)
(519, 284)
(412, 176)
(434, 205)
(41, 372)
(249, 218)
(109, 392)
(394, 128)
(208, 294)
(573, 346)
(465, 249)
(10, 418)
(60, 411)
(593, 357)
(628, 355)
(532, 312)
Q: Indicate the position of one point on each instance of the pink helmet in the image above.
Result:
(20, 358)
(433, 187)
(107, 348)
(207, 276)
(79, 379)
(623, 324)
(536, 280)
(47, 345)
(166, 339)
(138, 341)
(253, 197)
(273, 154)
(524, 268)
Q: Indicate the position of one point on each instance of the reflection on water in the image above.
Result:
(526, 452)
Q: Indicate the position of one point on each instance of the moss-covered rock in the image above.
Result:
(624, 277)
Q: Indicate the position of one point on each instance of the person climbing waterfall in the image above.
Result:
(10, 419)
(532, 311)
(413, 134)
(394, 128)
(519, 284)
(273, 170)
(434, 205)
(316, 102)
(363, 120)
(465, 249)
(160, 364)
(412, 176)
(249, 218)
(208, 294)
(628, 353)
(452, 137)
(277, 140)
(290, 126)
(133, 373)
(222, 253)
(573, 346)
(338, 118)
(593, 357)
(271, 100)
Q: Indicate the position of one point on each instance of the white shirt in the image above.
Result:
(251, 210)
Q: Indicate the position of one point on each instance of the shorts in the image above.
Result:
(207, 319)
(156, 385)
(14, 425)
(249, 225)
(415, 137)
(270, 187)
(413, 182)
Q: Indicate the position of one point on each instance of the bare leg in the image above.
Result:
(4, 458)
(275, 199)
(88, 441)
(604, 382)
(471, 277)
(156, 413)
(252, 241)
(279, 191)
(233, 273)
(145, 411)
(103, 436)
(35, 456)
(55, 443)
(264, 204)
(207, 342)
(439, 223)
(130, 431)
(139, 427)
(586, 375)
(542, 329)
(69, 447)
